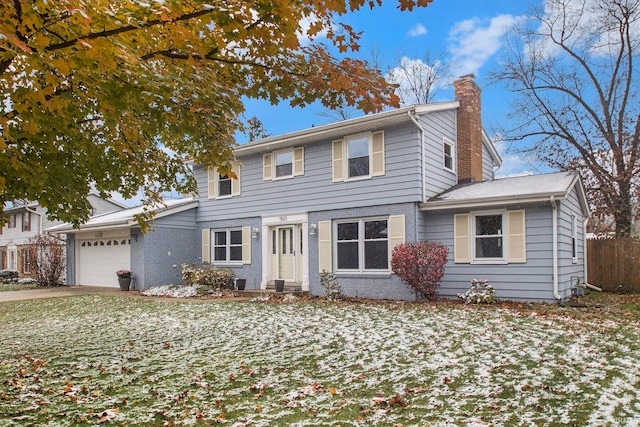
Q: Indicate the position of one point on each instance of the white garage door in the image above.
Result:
(99, 259)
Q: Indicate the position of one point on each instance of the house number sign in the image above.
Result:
(283, 218)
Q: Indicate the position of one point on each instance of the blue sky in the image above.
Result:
(467, 34)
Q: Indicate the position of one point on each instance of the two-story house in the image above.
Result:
(340, 197)
(28, 220)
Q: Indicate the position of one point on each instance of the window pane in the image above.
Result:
(359, 147)
(225, 187)
(220, 253)
(284, 170)
(348, 231)
(375, 229)
(376, 255)
(236, 237)
(220, 238)
(347, 255)
(448, 162)
(235, 253)
(284, 158)
(359, 166)
(489, 225)
(489, 247)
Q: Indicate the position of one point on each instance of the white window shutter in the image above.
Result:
(235, 183)
(206, 245)
(338, 160)
(396, 232)
(461, 238)
(324, 245)
(267, 167)
(517, 241)
(246, 245)
(212, 182)
(377, 154)
(298, 161)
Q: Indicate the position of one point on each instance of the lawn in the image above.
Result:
(112, 360)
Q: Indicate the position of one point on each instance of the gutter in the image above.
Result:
(584, 243)
(435, 205)
(554, 208)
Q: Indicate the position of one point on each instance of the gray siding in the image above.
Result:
(71, 259)
(437, 126)
(530, 281)
(251, 272)
(567, 270)
(315, 190)
(156, 257)
(136, 257)
(383, 286)
(102, 206)
(487, 165)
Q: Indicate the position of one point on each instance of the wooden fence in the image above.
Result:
(614, 264)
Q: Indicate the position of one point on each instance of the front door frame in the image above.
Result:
(297, 221)
(12, 257)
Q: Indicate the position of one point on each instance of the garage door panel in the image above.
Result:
(99, 259)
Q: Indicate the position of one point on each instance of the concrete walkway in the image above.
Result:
(61, 291)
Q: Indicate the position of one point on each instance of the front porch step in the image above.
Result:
(257, 293)
(288, 287)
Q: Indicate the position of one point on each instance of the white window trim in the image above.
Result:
(446, 141)
(227, 246)
(345, 150)
(504, 235)
(274, 165)
(361, 241)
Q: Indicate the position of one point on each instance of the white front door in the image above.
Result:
(12, 262)
(286, 243)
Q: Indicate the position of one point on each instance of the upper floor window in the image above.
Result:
(26, 221)
(358, 156)
(448, 155)
(283, 164)
(574, 239)
(222, 185)
(12, 221)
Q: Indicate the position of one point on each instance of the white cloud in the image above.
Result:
(474, 41)
(513, 164)
(417, 30)
(305, 25)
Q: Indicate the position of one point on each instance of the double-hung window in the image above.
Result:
(489, 237)
(12, 221)
(362, 245)
(448, 155)
(358, 156)
(26, 221)
(224, 185)
(227, 246)
(284, 164)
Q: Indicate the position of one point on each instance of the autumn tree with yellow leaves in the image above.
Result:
(115, 95)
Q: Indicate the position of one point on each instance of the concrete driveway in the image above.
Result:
(61, 291)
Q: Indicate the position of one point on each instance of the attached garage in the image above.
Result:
(98, 259)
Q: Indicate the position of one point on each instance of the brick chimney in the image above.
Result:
(469, 147)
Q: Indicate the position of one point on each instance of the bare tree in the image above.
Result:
(255, 129)
(419, 80)
(572, 69)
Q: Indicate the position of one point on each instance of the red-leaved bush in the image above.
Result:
(420, 266)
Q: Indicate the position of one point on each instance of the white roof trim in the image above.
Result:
(486, 141)
(127, 222)
(489, 202)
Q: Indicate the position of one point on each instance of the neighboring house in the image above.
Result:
(28, 220)
(113, 241)
(340, 197)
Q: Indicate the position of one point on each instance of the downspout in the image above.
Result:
(422, 174)
(554, 210)
(39, 222)
(424, 164)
